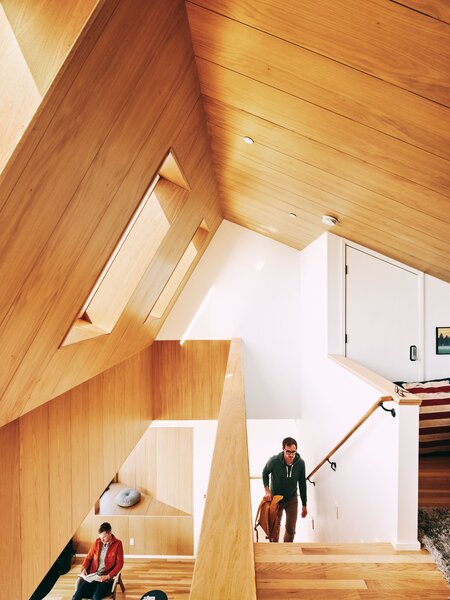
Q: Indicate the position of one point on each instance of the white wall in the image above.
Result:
(437, 314)
(360, 501)
(252, 289)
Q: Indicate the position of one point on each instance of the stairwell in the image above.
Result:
(346, 571)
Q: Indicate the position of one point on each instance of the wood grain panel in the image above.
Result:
(188, 379)
(161, 465)
(117, 138)
(347, 136)
(404, 196)
(102, 105)
(60, 475)
(88, 359)
(46, 32)
(174, 467)
(79, 455)
(10, 509)
(307, 75)
(153, 535)
(227, 570)
(439, 9)
(319, 192)
(376, 40)
(34, 499)
(19, 96)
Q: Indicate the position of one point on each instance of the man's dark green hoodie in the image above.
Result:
(284, 478)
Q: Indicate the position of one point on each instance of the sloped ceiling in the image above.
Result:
(127, 94)
(347, 103)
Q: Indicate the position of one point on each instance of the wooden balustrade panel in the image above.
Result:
(188, 380)
(224, 567)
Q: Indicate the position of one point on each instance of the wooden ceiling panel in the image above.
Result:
(348, 109)
(410, 195)
(384, 39)
(345, 135)
(316, 79)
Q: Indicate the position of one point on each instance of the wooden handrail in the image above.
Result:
(225, 563)
(357, 425)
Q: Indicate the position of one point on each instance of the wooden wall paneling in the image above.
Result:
(232, 122)
(52, 100)
(227, 569)
(89, 358)
(188, 379)
(382, 48)
(349, 137)
(60, 474)
(81, 464)
(439, 9)
(137, 530)
(81, 204)
(46, 32)
(321, 81)
(110, 463)
(77, 141)
(34, 499)
(10, 509)
(152, 535)
(96, 432)
(174, 467)
(19, 96)
(53, 469)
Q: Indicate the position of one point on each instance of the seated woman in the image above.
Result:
(105, 558)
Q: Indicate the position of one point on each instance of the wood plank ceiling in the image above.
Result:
(348, 105)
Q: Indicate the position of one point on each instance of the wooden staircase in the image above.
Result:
(346, 571)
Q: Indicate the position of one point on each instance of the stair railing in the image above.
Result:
(372, 409)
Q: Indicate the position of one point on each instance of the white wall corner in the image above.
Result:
(405, 534)
(336, 294)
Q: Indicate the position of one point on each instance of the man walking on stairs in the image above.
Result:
(286, 471)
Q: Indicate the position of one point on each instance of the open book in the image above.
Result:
(91, 577)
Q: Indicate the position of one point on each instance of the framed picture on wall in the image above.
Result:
(442, 340)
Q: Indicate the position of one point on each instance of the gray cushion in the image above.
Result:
(128, 497)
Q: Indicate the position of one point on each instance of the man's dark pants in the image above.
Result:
(95, 590)
(291, 508)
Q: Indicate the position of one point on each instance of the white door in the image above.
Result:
(382, 316)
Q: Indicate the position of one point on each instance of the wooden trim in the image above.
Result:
(386, 387)
(225, 564)
(357, 425)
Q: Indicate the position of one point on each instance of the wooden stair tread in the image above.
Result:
(346, 571)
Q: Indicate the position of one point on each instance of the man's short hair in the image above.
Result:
(289, 442)
(104, 527)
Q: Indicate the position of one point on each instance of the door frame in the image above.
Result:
(337, 326)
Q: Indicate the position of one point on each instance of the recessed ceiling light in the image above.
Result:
(248, 140)
(329, 220)
(293, 215)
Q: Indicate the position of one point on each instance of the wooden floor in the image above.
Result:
(297, 571)
(139, 576)
(347, 572)
(434, 480)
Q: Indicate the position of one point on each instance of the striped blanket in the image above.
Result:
(434, 416)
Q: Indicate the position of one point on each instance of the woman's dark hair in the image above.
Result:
(104, 527)
(289, 442)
